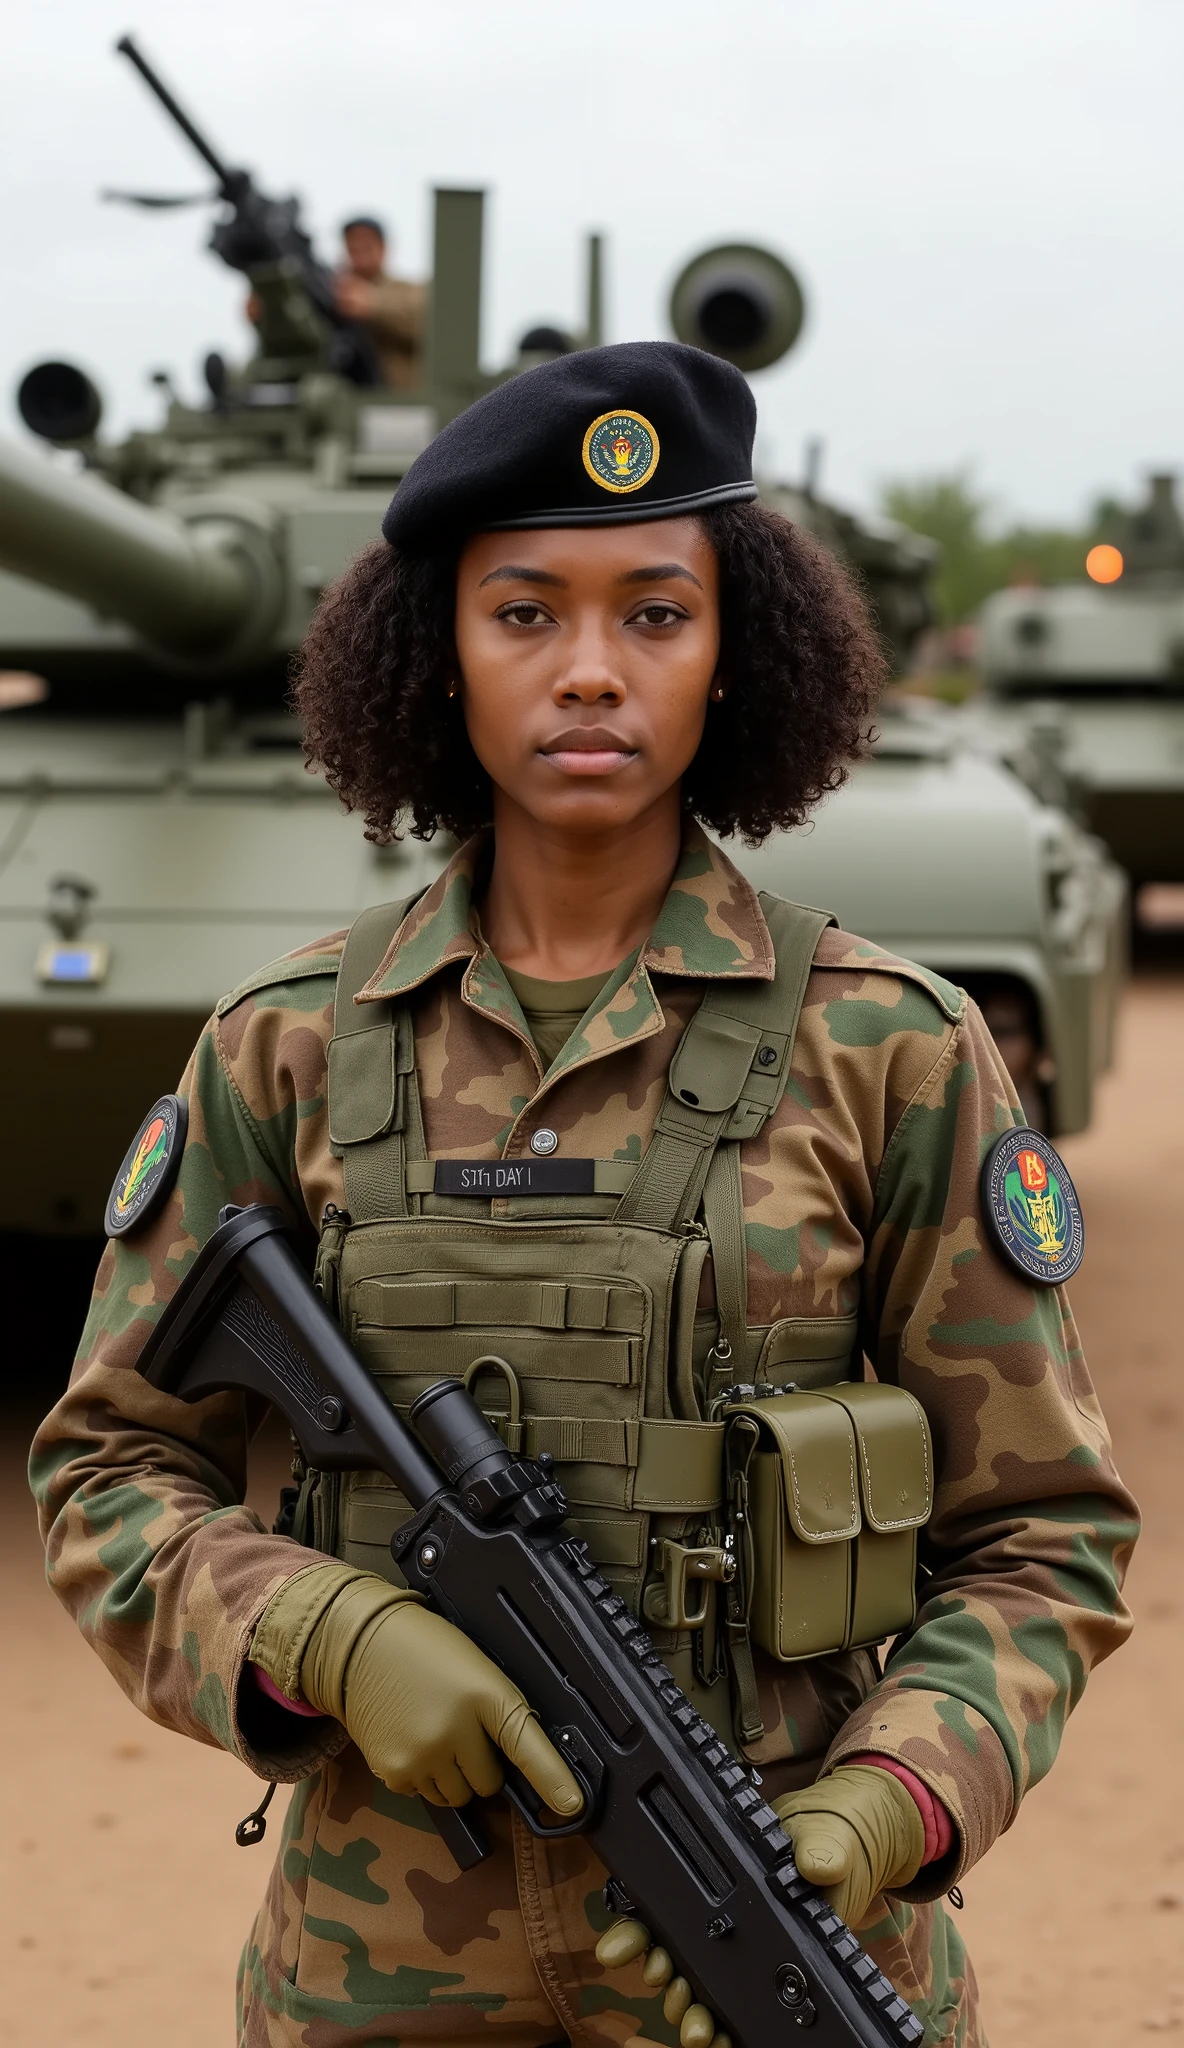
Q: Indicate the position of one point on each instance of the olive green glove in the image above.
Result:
(623, 1943)
(856, 1833)
(426, 1707)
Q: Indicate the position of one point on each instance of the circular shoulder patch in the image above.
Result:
(1031, 1208)
(149, 1167)
(620, 451)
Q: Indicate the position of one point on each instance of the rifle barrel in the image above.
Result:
(156, 84)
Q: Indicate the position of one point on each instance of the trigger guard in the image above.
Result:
(587, 1770)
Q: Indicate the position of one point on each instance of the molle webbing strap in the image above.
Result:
(374, 1111)
(723, 1213)
(726, 1079)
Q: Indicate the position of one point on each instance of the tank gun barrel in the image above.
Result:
(188, 589)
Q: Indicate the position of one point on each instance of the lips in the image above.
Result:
(588, 750)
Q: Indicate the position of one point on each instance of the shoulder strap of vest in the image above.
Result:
(371, 1075)
(729, 1072)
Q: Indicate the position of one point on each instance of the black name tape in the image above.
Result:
(491, 1177)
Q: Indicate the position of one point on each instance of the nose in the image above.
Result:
(590, 675)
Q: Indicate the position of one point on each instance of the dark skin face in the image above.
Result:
(353, 286)
(588, 661)
(366, 251)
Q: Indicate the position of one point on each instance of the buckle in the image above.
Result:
(665, 1601)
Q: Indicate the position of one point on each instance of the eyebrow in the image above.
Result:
(661, 572)
(511, 574)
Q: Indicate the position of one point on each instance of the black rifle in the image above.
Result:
(694, 1849)
(259, 232)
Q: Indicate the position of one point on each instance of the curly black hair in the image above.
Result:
(799, 650)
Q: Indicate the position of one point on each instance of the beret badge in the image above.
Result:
(620, 451)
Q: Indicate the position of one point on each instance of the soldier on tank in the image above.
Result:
(392, 309)
(752, 1156)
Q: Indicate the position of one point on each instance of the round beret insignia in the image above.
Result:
(149, 1168)
(620, 451)
(1031, 1208)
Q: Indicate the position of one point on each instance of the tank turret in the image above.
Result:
(744, 303)
(189, 557)
(1085, 684)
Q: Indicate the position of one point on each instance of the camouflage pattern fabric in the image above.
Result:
(861, 1196)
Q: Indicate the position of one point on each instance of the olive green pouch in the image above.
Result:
(833, 1486)
(894, 1455)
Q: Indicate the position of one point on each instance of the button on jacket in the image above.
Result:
(860, 1201)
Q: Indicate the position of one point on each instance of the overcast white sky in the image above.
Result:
(982, 201)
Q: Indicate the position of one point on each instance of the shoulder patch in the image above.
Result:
(840, 949)
(1031, 1209)
(149, 1166)
(324, 959)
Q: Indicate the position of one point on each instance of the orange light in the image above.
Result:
(1104, 564)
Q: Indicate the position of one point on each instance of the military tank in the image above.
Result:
(159, 833)
(1084, 686)
(942, 853)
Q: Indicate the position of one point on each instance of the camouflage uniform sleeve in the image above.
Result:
(1031, 1527)
(140, 1494)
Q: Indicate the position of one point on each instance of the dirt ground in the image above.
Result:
(127, 1900)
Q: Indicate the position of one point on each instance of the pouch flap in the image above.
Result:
(679, 1467)
(800, 1340)
(816, 1451)
(712, 1062)
(361, 1085)
(895, 1454)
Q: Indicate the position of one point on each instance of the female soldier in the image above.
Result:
(746, 1153)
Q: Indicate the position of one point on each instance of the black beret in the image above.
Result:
(643, 430)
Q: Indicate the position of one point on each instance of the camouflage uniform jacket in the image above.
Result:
(860, 1195)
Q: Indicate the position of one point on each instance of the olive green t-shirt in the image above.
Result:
(552, 1009)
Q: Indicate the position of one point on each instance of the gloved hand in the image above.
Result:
(856, 1834)
(623, 1943)
(426, 1707)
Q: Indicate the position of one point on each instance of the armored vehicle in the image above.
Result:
(1084, 687)
(942, 853)
(160, 836)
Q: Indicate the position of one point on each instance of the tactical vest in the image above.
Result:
(575, 1321)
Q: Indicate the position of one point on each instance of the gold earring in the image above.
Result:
(718, 693)
(452, 689)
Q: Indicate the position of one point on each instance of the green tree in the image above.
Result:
(974, 561)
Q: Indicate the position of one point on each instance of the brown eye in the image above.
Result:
(659, 615)
(524, 613)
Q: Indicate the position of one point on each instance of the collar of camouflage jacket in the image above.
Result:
(710, 928)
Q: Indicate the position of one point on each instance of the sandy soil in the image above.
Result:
(127, 1901)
